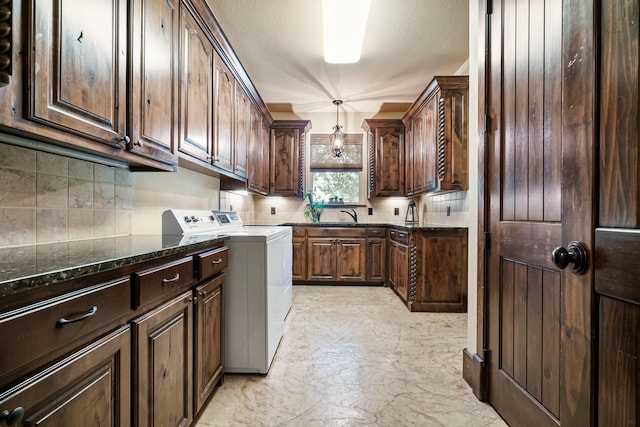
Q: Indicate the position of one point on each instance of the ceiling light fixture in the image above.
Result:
(337, 138)
(344, 23)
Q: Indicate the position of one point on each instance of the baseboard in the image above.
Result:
(473, 372)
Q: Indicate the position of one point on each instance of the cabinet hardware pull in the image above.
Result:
(203, 294)
(217, 261)
(63, 321)
(165, 281)
(138, 143)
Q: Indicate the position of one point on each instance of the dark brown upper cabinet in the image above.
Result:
(437, 145)
(196, 90)
(242, 131)
(386, 171)
(287, 171)
(225, 84)
(153, 109)
(71, 87)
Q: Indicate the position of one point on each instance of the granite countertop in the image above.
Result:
(379, 224)
(27, 267)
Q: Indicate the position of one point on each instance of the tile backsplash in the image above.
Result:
(48, 198)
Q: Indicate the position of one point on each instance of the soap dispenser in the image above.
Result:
(412, 214)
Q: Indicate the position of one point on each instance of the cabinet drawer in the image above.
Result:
(299, 231)
(399, 236)
(336, 232)
(376, 232)
(212, 262)
(165, 280)
(43, 331)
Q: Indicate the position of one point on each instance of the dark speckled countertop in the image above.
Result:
(382, 225)
(28, 267)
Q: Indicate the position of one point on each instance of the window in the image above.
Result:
(336, 179)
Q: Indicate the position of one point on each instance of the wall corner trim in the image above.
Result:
(474, 374)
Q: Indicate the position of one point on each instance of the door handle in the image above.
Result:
(575, 254)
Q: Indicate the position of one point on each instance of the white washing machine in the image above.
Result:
(258, 285)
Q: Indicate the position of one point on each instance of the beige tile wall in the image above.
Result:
(50, 198)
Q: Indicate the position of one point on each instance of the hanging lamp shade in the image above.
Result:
(337, 137)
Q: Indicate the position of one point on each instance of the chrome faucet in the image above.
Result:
(353, 215)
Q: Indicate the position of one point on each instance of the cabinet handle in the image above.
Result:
(217, 261)
(12, 417)
(176, 278)
(203, 294)
(63, 321)
(194, 299)
(138, 143)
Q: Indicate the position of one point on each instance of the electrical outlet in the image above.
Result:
(396, 211)
(273, 210)
(370, 211)
(448, 210)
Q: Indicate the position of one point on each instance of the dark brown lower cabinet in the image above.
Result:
(428, 268)
(90, 387)
(376, 259)
(299, 265)
(208, 340)
(163, 371)
(438, 271)
(350, 255)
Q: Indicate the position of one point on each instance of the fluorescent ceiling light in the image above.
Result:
(344, 22)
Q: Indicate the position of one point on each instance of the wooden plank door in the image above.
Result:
(540, 197)
(617, 241)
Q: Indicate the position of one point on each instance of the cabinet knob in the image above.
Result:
(12, 417)
(126, 140)
(203, 294)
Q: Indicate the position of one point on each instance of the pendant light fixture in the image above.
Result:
(337, 137)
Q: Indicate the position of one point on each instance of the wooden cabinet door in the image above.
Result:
(207, 366)
(408, 158)
(402, 277)
(453, 138)
(153, 111)
(77, 67)
(386, 146)
(163, 375)
(322, 259)
(441, 283)
(242, 131)
(284, 162)
(223, 111)
(376, 259)
(417, 167)
(350, 261)
(299, 262)
(196, 90)
(429, 144)
(266, 161)
(256, 162)
(393, 265)
(90, 387)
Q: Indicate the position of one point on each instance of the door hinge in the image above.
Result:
(487, 240)
(487, 123)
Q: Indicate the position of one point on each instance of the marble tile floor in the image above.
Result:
(354, 356)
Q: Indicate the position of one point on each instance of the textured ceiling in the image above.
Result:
(407, 42)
